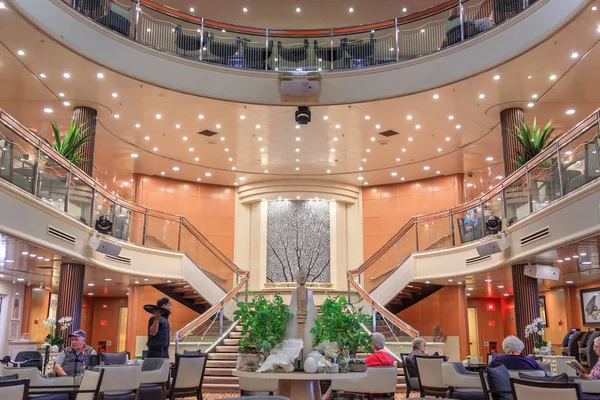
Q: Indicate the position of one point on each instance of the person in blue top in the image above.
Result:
(513, 360)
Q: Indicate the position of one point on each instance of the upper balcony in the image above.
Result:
(215, 59)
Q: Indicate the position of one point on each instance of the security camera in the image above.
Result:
(303, 116)
(470, 174)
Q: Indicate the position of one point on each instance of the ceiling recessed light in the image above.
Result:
(61, 94)
(137, 126)
(534, 96)
(233, 168)
(559, 261)
(244, 9)
(360, 168)
(368, 150)
(116, 116)
(436, 96)
(496, 77)
(570, 111)
(185, 138)
(162, 172)
(241, 178)
(177, 126)
(417, 126)
(410, 139)
(360, 178)
(218, 126)
(242, 117)
(146, 137)
(325, 117)
(451, 117)
(365, 183)
(260, 139)
(439, 149)
(335, 139)
(337, 126)
(397, 159)
(438, 172)
(266, 171)
(552, 77)
(25, 253)
(367, 117)
(482, 96)
(175, 168)
(351, 9)
(377, 126)
(207, 174)
(582, 254)
(297, 150)
(257, 126)
(43, 76)
(364, 160)
(297, 168)
(447, 139)
(48, 110)
(409, 117)
(66, 75)
(134, 155)
(404, 150)
(530, 105)
(191, 9)
(115, 95)
(394, 174)
(458, 126)
(594, 8)
(489, 159)
(575, 55)
(426, 168)
(158, 116)
(298, 9)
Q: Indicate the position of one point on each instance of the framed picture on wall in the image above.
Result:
(15, 313)
(53, 305)
(590, 309)
(542, 300)
(14, 330)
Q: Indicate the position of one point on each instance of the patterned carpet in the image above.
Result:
(211, 396)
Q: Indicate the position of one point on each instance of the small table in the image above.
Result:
(476, 367)
(299, 385)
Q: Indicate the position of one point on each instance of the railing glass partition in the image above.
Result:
(572, 161)
(270, 49)
(31, 164)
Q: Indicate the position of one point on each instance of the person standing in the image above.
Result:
(159, 330)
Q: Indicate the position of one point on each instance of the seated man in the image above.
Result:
(513, 360)
(72, 360)
(595, 372)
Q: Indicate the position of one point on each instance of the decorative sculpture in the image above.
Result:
(301, 301)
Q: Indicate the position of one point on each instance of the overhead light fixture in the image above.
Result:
(298, 9)
(134, 155)
(2, 6)
(458, 126)
(244, 9)
(175, 168)
(575, 55)
(116, 116)
(107, 279)
(394, 174)
(570, 111)
(448, 139)
(100, 75)
(192, 9)
(21, 52)
(490, 159)
(177, 126)
(417, 126)
(61, 94)
(328, 171)
(426, 168)
(409, 117)
(582, 254)
(530, 105)
(397, 159)
(337, 126)
(155, 149)
(436, 96)
(451, 117)
(90, 294)
(137, 126)
(48, 110)
(594, 8)
(482, 96)
(351, 9)
(66, 75)
(162, 172)
(325, 117)
(115, 95)
(439, 149)
(377, 126)
(496, 77)
(404, 9)
(191, 149)
(43, 76)
(185, 138)
(569, 282)
(534, 96)
(553, 77)
(207, 174)
(158, 116)
(367, 117)
(410, 139)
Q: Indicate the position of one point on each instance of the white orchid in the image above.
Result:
(44, 345)
(54, 349)
(65, 323)
(50, 323)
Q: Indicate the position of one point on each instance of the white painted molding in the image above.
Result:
(305, 189)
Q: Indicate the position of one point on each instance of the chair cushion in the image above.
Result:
(58, 396)
(414, 383)
(468, 394)
(114, 358)
(558, 378)
(120, 396)
(9, 377)
(499, 381)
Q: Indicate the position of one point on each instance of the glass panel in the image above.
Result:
(545, 182)
(300, 54)
(167, 33)
(517, 200)
(434, 233)
(390, 260)
(103, 206)
(358, 50)
(225, 48)
(128, 224)
(478, 16)
(493, 214)
(201, 336)
(118, 16)
(80, 200)
(17, 159)
(579, 160)
(52, 182)
(162, 233)
(468, 225)
(254, 53)
(429, 34)
(206, 260)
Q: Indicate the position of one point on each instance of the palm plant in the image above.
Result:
(532, 141)
(69, 146)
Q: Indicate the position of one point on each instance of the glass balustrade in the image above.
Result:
(331, 49)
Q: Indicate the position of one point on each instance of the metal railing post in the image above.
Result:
(267, 49)
(374, 318)
(417, 235)
(462, 21)
(525, 4)
(36, 170)
(331, 47)
(179, 235)
(74, 3)
(504, 205)
(145, 228)
(561, 185)
(482, 219)
(397, 39)
(201, 38)
(246, 291)
(177, 342)
(67, 191)
(221, 319)
(529, 197)
(452, 229)
(136, 30)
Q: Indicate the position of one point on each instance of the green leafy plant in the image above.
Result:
(532, 141)
(69, 146)
(264, 322)
(356, 361)
(339, 322)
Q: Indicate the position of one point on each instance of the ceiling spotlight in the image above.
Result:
(337, 126)
(482, 96)
(439, 149)
(257, 126)
(575, 55)
(266, 171)
(115, 95)
(367, 117)
(570, 111)
(298, 9)
(137, 126)
(244, 9)
(48, 110)
(207, 174)
(177, 126)
(410, 139)
(297, 168)
(365, 183)
(297, 150)
(489, 159)
(325, 117)
(242, 117)
(61, 94)
(569, 282)
(594, 8)
(222, 138)
(534, 96)
(191, 9)
(417, 126)
(364, 160)
(530, 105)
(25, 253)
(176, 168)
(100, 75)
(394, 174)
(185, 138)
(328, 171)
(582, 254)
(426, 168)
(404, 9)
(134, 155)
(43, 76)
(438, 172)
(218, 126)
(496, 77)
(241, 178)
(351, 9)
(158, 116)
(436, 96)
(552, 77)
(162, 172)
(448, 139)
(458, 126)
(116, 116)
(451, 117)
(360, 178)
(377, 126)
(66, 75)
(335, 139)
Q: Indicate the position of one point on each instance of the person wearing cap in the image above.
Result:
(74, 359)
(159, 330)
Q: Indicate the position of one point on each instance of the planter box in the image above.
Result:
(249, 362)
(358, 367)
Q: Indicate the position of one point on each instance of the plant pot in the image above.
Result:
(249, 362)
(358, 367)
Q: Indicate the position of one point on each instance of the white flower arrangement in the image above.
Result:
(50, 323)
(535, 328)
(65, 323)
(329, 349)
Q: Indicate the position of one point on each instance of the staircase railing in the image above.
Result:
(215, 321)
(28, 162)
(570, 163)
(270, 49)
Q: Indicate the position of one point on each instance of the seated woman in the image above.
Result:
(513, 360)
(595, 373)
(418, 348)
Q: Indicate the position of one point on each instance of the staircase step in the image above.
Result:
(219, 371)
(225, 380)
(238, 328)
(220, 388)
(231, 342)
(222, 356)
(220, 364)
(227, 349)
(237, 335)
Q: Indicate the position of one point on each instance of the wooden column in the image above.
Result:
(70, 295)
(134, 307)
(26, 309)
(527, 306)
(510, 146)
(87, 117)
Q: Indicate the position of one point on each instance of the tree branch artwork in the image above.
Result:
(298, 238)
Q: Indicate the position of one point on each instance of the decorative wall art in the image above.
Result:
(298, 238)
(542, 300)
(15, 313)
(590, 309)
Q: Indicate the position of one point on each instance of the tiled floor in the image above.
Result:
(211, 396)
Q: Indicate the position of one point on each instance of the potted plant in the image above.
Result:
(340, 323)
(69, 146)
(264, 324)
(55, 341)
(357, 365)
(536, 329)
(532, 141)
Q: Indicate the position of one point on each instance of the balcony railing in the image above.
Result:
(331, 49)
(31, 164)
(571, 162)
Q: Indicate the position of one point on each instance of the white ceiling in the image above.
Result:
(25, 95)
